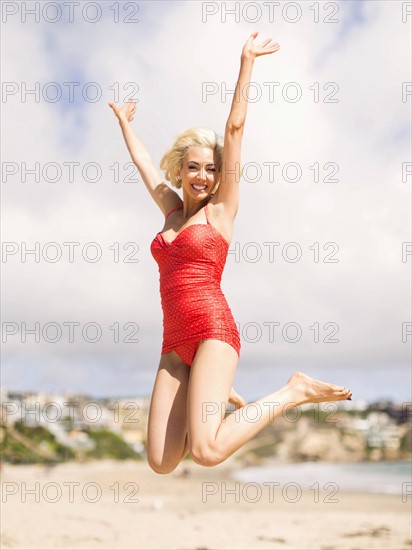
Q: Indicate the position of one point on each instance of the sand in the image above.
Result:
(125, 505)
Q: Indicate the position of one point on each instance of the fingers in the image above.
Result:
(271, 45)
(267, 46)
(133, 101)
(126, 110)
(267, 50)
(113, 107)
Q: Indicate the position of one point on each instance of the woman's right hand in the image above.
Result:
(125, 113)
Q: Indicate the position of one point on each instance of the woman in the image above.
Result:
(201, 344)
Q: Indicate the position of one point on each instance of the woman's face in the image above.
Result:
(199, 173)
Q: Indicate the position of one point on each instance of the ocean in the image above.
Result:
(371, 477)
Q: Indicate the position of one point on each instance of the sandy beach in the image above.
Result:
(124, 505)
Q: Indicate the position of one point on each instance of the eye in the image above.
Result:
(193, 167)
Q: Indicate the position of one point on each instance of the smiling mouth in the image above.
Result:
(199, 187)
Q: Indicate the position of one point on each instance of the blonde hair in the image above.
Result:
(172, 161)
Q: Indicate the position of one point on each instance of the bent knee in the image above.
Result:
(206, 455)
(162, 466)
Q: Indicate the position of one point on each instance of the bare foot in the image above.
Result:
(309, 390)
(236, 399)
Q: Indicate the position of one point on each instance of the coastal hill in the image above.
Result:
(45, 428)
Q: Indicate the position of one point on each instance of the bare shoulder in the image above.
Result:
(220, 218)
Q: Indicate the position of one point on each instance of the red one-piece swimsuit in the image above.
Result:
(194, 306)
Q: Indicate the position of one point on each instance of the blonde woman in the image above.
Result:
(201, 343)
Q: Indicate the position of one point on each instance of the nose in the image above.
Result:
(202, 174)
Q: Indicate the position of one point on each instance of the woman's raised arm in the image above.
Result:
(161, 193)
(228, 190)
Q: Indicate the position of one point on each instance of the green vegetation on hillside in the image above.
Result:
(22, 444)
(109, 445)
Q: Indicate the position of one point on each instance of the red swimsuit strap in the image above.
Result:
(207, 217)
(173, 209)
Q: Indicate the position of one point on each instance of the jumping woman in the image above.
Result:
(201, 343)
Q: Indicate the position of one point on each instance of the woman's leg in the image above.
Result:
(212, 437)
(167, 422)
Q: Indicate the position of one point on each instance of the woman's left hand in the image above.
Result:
(236, 399)
(251, 50)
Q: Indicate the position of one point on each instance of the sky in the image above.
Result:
(327, 178)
